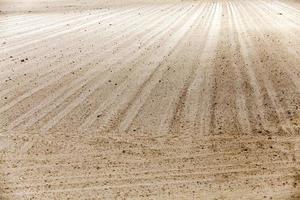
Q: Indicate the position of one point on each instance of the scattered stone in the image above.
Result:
(245, 149)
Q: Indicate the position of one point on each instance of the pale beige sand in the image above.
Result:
(153, 100)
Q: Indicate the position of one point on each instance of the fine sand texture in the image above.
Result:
(146, 99)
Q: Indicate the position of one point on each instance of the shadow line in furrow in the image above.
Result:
(263, 122)
(72, 39)
(87, 76)
(243, 173)
(52, 69)
(177, 122)
(42, 27)
(107, 51)
(279, 24)
(291, 8)
(142, 183)
(248, 55)
(143, 82)
(124, 121)
(203, 162)
(208, 169)
(55, 34)
(45, 73)
(243, 114)
(157, 75)
(30, 50)
(197, 103)
(92, 117)
(61, 30)
(223, 118)
(267, 83)
(279, 12)
(284, 48)
(58, 18)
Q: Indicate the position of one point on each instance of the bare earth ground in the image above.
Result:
(182, 100)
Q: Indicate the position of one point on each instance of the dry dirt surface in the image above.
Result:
(154, 100)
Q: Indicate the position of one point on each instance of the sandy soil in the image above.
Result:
(153, 100)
